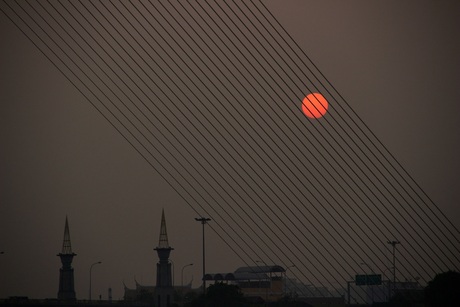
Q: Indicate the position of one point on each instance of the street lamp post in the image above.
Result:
(393, 243)
(285, 277)
(182, 274)
(203, 221)
(388, 282)
(90, 269)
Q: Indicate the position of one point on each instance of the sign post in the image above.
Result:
(369, 280)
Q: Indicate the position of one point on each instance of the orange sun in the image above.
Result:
(314, 105)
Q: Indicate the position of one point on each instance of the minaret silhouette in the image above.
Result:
(164, 287)
(66, 282)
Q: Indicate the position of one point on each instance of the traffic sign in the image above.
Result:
(368, 280)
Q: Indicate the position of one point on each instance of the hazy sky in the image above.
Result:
(395, 62)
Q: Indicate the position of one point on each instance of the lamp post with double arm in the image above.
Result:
(203, 221)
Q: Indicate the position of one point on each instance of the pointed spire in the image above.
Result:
(66, 245)
(163, 242)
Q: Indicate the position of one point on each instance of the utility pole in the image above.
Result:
(393, 243)
(203, 221)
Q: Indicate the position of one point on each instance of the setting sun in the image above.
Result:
(314, 105)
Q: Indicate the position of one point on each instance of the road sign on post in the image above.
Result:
(374, 280)
(368, 280)
(361, 280)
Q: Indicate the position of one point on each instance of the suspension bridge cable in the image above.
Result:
(352, 140)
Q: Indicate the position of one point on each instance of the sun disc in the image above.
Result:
(314, 105)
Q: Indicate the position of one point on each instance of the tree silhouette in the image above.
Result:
(443, 290)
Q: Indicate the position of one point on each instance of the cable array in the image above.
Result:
(209, 94)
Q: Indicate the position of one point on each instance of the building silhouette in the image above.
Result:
(162, 293)
(66, 278)
(263, 282)
(164, 288)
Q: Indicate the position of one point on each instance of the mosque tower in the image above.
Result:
(164, 287)
(66, 282)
